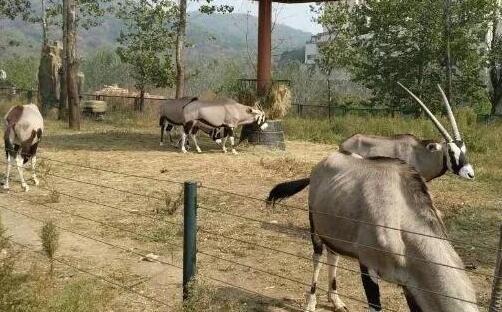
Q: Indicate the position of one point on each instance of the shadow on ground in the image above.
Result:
(118, 141)
(258, 302)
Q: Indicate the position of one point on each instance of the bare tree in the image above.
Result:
(180, 47)
(71, 63)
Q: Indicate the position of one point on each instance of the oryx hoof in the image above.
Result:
(234, 152)
(25, 186)
(199, 150)
(311, 303)
(184, 151)
(36, 181)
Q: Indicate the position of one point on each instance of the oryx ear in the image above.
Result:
(434, 147)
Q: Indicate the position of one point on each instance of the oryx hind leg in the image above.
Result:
(332, 263)
(412, 304)
(316, 259)
(193, 133)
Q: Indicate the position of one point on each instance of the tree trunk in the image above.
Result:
(180, 45)
(72, 67)
(447, 30)
(44, 25)
(141, 105)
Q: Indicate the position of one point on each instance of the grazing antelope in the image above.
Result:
(220, 113)
(171, 115)
(348, 196)
(23, 129)
(429, 158)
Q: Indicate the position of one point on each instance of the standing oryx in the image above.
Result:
(379, 211)
(430, 159)
(171, 115)
(220, 113)
(23, 129)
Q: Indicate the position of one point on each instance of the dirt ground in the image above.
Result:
(151, 228)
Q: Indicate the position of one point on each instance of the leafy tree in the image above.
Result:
(147, 41)
(385, 41)
(13, 8)
(494, 46)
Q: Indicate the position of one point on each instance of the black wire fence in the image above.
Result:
(205, 244)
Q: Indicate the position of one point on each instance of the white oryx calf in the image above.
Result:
(23, 129)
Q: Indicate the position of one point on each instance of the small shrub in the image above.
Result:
(50, 242)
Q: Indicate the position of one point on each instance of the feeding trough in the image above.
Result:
(94, 108)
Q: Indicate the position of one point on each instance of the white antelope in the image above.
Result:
(348, 197)
(23, 130)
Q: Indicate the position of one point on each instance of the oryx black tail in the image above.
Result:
(286, 189)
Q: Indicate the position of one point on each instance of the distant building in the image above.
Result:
(312, 47)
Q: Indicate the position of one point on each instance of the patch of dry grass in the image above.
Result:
(287, 166)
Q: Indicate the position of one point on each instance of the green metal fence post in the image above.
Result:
(496, 299)
(189, 235)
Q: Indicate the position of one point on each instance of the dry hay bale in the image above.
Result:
(278, 102)
(94, 106)
(208, 95)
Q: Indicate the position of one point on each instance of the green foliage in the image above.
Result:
(147, 40)
(105, 68)
(13, 8)
(15, 295)
(382, 42)
(80, 296)
(21, 71)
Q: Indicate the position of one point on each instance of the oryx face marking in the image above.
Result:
(457, 161)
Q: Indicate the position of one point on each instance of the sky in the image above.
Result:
(294, 15)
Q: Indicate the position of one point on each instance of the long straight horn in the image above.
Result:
(436, 122)
(456, 133)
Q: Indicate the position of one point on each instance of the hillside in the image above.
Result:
(209, 35)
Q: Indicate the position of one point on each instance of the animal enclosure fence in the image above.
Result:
(203, 244)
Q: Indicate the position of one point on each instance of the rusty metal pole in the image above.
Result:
(496, 300)
(264, 45)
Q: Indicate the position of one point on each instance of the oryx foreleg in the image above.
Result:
(19, 165)
(193, 133)
(7, 171)
(33, 172)
(162, 130)
(332, 263)
(371, 289)
(232, 140)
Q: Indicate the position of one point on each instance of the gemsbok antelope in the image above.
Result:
(429, 158)
(348, 198)
(23, 130)
(221, 113)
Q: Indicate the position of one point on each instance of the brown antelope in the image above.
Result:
(23, 129)
(348, 197)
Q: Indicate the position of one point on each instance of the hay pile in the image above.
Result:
(115, 90)
(278, 102)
